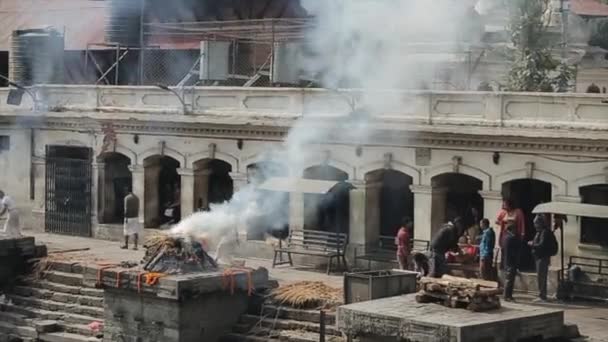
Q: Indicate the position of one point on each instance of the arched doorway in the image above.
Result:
(388, 200)
(317, 211)
(526, 194)
(114, 183)
(594, 230)
(458, 196)
(212, 183)
(273, 213)
(162, 191)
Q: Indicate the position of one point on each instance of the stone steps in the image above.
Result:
(284, 312)
(14, 318)
(64, 278)
(66, 337)
(61, 288)
(18, 330)
(287, 324)
(51, 305)
(62, 297)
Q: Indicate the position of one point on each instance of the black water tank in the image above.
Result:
(123, 23)
(37, 57)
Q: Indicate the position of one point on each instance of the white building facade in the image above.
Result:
(431, 155)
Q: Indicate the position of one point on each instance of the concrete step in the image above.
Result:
(78, 329)
(65, 278)
(13, 318)
(12, 337)
(26, 291)
(61, 288)
(312, 316)
(66, 267)
(52, 305)
(235, 337)
(31, 312)
(66, 337)
(21, 331)
(288, 324)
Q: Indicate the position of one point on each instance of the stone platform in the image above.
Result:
(179, 308)
(402, 318)
(14, 254)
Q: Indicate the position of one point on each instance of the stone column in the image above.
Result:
(572, 233)
(492, 203)
(138, 183)
(296, 210)
(429, 210)
(239, 181)
(98, 189)
(186, 200)
(38, 211)
(372, 210)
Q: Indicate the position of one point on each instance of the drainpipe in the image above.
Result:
(32, 169)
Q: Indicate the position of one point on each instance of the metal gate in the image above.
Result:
(68, 190)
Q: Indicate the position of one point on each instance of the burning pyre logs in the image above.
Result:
(173, 255)
(453, 292)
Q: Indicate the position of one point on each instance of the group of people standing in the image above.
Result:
(510, 222)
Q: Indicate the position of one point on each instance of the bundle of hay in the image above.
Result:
(308, 295)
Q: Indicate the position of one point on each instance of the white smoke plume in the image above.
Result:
(371, 45)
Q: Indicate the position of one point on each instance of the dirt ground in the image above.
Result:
(591, 318)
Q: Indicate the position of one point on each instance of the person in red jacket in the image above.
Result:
(402, 240)
(510, 215)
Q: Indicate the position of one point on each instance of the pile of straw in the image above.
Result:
(308, 295)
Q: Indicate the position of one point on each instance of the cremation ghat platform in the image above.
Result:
(402, 318)
(193, 307)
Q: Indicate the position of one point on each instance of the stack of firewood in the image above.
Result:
(454, 292)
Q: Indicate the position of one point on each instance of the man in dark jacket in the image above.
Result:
(541, 247)
(511, 249)
(445, 240)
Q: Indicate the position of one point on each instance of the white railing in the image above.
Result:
(460, 108)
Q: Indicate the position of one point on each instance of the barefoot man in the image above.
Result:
(131, 225)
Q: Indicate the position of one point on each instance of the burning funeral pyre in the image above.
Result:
(174, 255)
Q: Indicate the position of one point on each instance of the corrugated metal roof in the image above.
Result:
(573, 209)
(82, 21)
(308, 186)
(591, 8)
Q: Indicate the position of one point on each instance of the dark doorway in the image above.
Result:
(273, 206)
(461, 196)
(389, 200)
(68, 190)
(114, 184)
(317, 207)
(527, 194)
(212, 183)
(162, 192)
(594, 231)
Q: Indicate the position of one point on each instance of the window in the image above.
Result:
(593, 230)
(5, 143)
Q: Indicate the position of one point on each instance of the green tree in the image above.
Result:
(533, 66)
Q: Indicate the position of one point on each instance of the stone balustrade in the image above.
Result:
(558, 110)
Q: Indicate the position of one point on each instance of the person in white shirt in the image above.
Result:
(11, 225)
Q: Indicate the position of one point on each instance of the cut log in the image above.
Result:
(480, 282)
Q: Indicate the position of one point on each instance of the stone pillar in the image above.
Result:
(572, 233)
(98, 193)
(492, 203)
(429, 210)
(186, 200)
(139, 184)
(38, 211)
(239, 181)
(372, 210)
(296, 210)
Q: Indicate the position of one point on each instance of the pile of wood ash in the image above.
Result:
(176, 255)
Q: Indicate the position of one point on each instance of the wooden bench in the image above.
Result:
(386, 251)
(314, 243)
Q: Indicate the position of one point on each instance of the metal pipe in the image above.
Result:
(322, 326)
(32, 170)
(141, 42)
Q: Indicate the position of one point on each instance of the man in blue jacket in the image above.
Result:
(486, 250)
